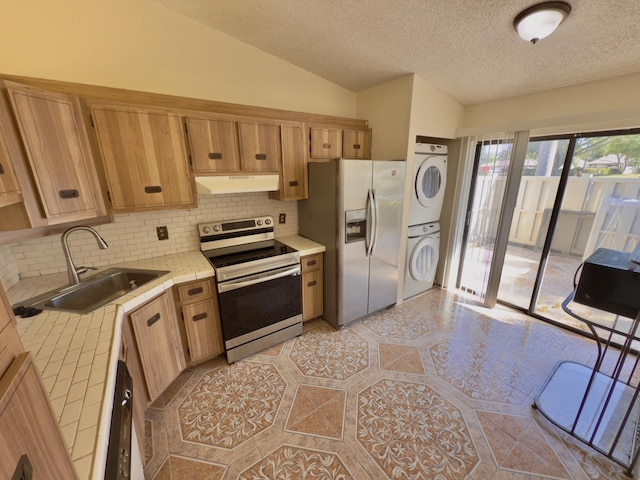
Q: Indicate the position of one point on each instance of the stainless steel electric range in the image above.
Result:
(258, 283)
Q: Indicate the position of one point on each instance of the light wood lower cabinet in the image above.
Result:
(312, 286)
(197, 303)
(159, 348)
(28, 427)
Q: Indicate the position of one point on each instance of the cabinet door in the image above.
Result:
(260, 150)
(144, 158)
(9, 187)
(158, 339)
(326, 143)
(294, 163)
(29, 427)
(213, 144)
(56, 146)
(312, 286)
(356, 144)
(203, 330)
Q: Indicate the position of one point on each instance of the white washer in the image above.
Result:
(429, 181)
(423, 251)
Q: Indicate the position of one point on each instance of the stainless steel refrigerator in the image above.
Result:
(355, 210)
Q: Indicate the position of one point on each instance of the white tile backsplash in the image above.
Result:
(133, 236)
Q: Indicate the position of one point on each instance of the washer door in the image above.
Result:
(430, 181)
(424, 259)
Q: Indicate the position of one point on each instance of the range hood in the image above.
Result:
(237, 184)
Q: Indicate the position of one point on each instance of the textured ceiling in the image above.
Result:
(466, 48)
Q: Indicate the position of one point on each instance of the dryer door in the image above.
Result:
(431, 178)
(424, 259)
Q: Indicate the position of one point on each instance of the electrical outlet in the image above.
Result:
(282, 218)
(163, 233)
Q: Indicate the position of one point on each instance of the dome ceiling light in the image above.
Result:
(541, 20)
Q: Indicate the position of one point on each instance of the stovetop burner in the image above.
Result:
(246, 253)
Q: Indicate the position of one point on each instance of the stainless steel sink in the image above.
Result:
(95, 291)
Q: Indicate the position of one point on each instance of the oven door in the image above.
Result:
(260, 304)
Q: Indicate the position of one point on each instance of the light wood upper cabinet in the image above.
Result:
(144, 158)
(260, 150)
(56, 146)
(9, 188)
(213, 144)
(293, 174)
(29, 427)
(326, 143)
(158, 343)
(356, 144)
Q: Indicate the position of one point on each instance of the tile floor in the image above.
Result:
(437, 388)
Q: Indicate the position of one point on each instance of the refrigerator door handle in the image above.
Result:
(375, 220)
(370, 223)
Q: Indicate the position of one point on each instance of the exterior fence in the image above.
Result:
(578, 228)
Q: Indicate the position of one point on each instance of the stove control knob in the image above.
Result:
(206, 229)
(216, 228)
(267, 221)
(259, 222)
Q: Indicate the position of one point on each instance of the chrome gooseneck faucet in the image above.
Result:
(73, 271)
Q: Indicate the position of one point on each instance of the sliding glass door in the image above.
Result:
(565, 202)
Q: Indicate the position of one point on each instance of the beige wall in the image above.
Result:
(433, 113)
(142, 45)
(601, 105)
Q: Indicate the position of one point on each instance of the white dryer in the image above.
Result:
(423, 251)
(429, 181)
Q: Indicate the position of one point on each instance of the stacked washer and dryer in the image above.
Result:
(423, 245)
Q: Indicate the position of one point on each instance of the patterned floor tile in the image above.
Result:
(290, 462)
(326, 353)
(400, 322)
(179, 468)
(518, 444)
(400, 358)
(413, 432)
(229, 405)
(317, 411)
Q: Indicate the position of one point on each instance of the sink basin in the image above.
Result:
(95, 291)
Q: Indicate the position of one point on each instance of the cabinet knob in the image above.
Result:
(261, 156)
(326, 145)
(293, 183)
(153, 319)
(311, 283)
(215, 156)
(73, 193)
(153, 189)
(311, 262)
(356, 146)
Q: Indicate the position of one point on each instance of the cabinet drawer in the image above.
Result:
(311, 263)
(194, 291)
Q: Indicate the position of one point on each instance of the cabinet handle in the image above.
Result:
(293, 184)
(64, 194)
(261, 156)
(1, 169)
(215, 156)
(356, 146)
(326, 145)
(195, 291)
(311, 262)
(200, 316)
(311, 284)
(153, 319)
(153, 189)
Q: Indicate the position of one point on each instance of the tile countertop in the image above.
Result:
(77, 354)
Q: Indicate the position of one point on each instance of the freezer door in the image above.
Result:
(354, 181)
(388, 187)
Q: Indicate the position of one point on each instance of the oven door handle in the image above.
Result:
(258, 278)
